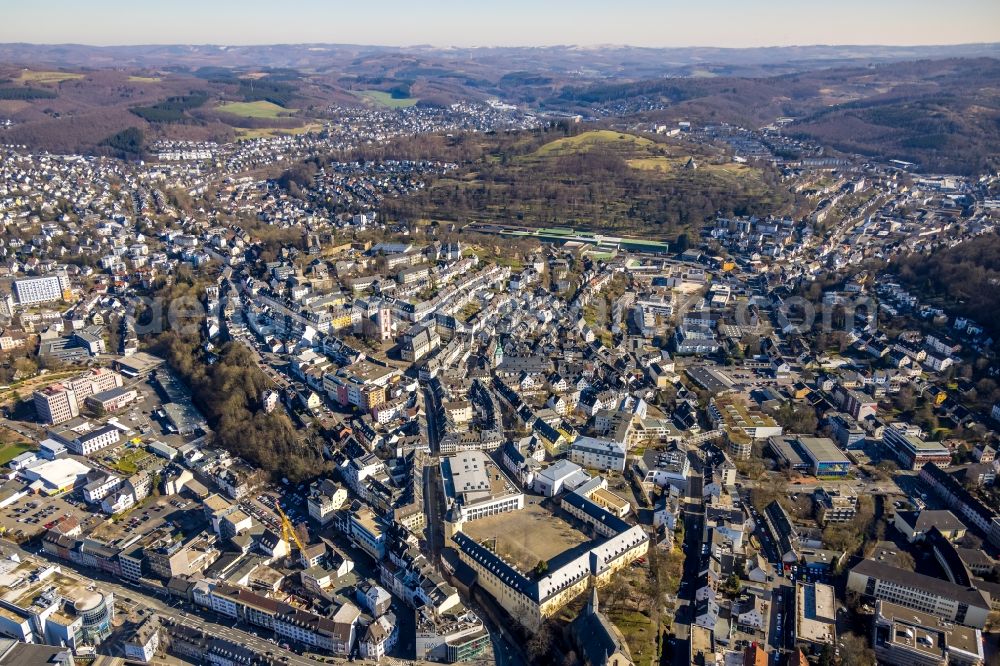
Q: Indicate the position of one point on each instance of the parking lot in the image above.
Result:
(155, 513)
(33, 514)
(145, 416)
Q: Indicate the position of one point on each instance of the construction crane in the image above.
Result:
(287, 531)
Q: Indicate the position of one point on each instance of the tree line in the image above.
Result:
(172, 109)
(25, 93)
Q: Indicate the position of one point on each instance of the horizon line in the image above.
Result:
(502, 46)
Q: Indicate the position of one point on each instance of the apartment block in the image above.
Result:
(45, 289)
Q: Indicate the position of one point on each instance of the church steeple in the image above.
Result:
(592, 605)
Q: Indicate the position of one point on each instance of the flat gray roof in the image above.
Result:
(823, 449)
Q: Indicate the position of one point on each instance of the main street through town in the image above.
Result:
(137, 598)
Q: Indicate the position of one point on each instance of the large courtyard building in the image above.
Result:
(532, 599)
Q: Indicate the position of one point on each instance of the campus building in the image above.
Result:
(531, 600)
(818, 456)
(913, 452)
(940, 598)
(902, 636)
(474, 487)
(60, 402)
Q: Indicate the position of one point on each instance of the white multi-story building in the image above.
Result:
(85, 443)
(379, 638)
(601, 454)
(936, 596)
(96, 440)
(475, 487)
(560, 475)
(325, 499)
(94, 381)
(368, 532)
(904, 637)
(101, 487)
(144, 641)
(55, 404)
(46, 289)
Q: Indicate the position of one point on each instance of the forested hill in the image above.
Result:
(597, 180)
(964, 279)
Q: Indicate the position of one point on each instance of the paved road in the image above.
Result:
(693, 525)
(431, 406)
(181, 613)
(779, 641)
(30, 430)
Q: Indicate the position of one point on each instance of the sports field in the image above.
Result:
(10, 451)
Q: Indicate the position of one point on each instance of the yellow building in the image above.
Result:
(530, 601)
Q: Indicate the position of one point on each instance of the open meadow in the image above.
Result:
(258, 109)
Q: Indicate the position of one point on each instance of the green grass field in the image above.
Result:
(386, 99)
(10, 451)
(29, 76)
(258, 109)
(640, 635)
(131, 461)
(144, 79)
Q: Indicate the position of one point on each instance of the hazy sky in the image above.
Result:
(734, 23)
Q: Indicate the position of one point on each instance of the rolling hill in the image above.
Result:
(943, 115)
(596, 180)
